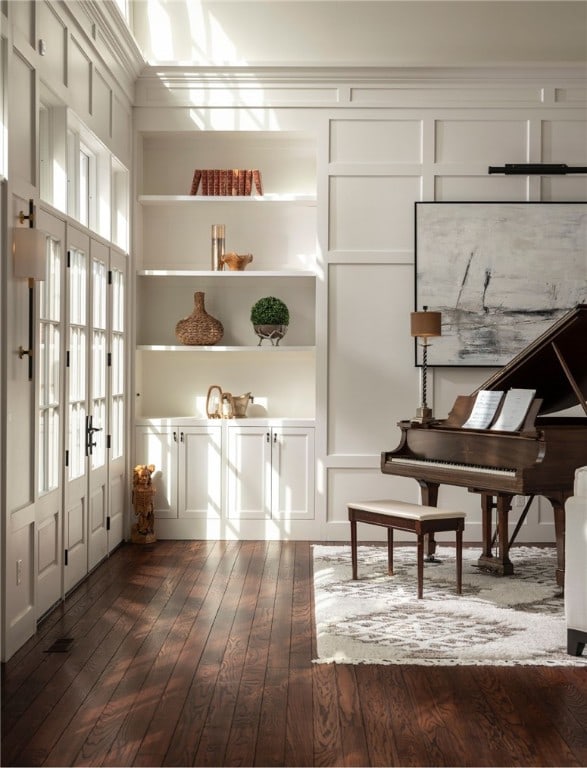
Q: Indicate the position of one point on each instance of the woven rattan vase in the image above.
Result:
(200, 328)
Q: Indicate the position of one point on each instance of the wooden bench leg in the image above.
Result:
(420, 566)
(354, 548)
(390, 551)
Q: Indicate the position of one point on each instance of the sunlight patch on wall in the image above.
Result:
(178, 28)
(160, 31)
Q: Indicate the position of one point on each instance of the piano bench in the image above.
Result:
(403, 516)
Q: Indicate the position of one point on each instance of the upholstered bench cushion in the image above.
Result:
(405, 509)
(422, 520)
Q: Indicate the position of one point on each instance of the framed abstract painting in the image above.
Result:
(500, 273)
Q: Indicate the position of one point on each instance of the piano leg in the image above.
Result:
(500, 563)
(429, 498)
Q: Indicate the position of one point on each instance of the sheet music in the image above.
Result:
(514, 410)
(484, 409)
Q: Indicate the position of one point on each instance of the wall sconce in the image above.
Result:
(29, 250)
(424, 325)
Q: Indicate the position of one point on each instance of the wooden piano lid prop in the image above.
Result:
(424, 325)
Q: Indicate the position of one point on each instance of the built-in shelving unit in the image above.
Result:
(174, 262)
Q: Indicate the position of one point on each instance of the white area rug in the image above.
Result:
(497, 621)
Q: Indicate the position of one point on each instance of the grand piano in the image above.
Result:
(538, 459)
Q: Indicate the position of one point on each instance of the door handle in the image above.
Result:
(90, 430)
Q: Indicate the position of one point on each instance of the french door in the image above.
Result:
(77, 411)
(118, 493)
(96, 424)
(81, 396)
(93, 486)
(48, 545)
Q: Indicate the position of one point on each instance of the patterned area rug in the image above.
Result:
(497, 621)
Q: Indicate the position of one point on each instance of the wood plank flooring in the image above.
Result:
(200, 653)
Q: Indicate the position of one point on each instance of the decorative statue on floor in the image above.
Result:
(143, 491)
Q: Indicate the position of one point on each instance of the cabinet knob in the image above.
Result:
(268, 437)
(181, 436)
(175, 437)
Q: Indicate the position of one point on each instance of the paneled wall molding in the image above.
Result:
(110, 38)
(77, 69)
(235, 86)
(369, 257)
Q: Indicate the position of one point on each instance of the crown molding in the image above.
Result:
(186, 75)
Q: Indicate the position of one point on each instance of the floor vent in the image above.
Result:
(63, 645)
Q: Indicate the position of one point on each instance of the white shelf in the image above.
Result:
(309, 200)
(225, 275)
(194, 348)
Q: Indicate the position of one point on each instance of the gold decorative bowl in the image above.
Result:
(236, 262)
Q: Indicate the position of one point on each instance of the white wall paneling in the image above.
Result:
(479, 95)
(52, 34)
(369, 213)
(468, 141)
(22, 119)
(478, 187)
(564, 141)
(372, 382)
(101, 104)
(568, 188)
(79, 77)
(20, 618)
(376, 141)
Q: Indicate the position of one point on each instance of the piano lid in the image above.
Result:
(541, 365)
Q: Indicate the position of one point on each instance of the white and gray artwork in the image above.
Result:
(500, 273)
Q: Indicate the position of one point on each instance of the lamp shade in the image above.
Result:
(29, 250)
(425, 324)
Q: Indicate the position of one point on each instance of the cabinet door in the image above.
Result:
(200, 471)
(249, 472)
(292, 473)
(159, 446)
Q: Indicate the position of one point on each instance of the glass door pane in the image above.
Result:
(117, 399)
(50, 371)
(78, 361)
(99, 351)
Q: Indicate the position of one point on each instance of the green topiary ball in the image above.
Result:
(269, 311)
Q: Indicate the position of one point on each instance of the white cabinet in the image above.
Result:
(270, 472)
(233, 478)
(188, 468)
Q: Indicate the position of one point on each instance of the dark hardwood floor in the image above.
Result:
(200, 653)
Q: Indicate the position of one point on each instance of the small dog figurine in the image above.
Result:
(143, 491)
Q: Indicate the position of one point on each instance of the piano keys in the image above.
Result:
(538, 459)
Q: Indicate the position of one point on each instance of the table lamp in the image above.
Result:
(424, 325)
